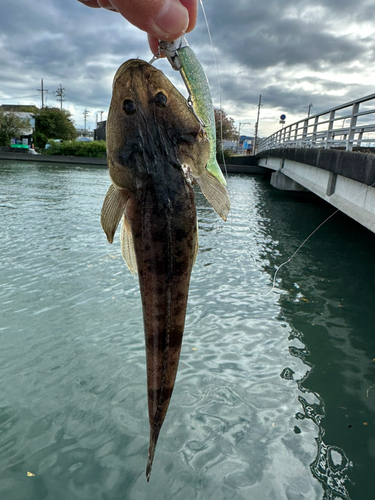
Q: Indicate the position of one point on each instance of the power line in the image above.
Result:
(17, 98)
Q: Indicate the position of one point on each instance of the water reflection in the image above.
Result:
(327, 301)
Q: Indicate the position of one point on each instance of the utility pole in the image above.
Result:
(42, 90)
(60, 94)
(85, 113)
(256, 126)
(101, 115)
(309, 107)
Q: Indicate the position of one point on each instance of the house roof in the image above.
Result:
(20, 108)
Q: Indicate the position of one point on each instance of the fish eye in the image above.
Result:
(161, 100)
(129, 107)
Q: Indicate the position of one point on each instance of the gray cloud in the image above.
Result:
(287, 51)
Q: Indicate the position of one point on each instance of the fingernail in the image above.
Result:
(172, 18)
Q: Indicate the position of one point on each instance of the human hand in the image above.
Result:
(161, 19)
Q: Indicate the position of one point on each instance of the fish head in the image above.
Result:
(150, 125)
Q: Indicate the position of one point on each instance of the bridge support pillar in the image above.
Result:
(281, 181)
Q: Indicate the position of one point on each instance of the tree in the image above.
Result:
(223, 120)
(53, 123)
(11, 127)
(225, 128)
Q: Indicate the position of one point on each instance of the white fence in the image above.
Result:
(346, 126)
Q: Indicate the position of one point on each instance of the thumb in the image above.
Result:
(161, 19)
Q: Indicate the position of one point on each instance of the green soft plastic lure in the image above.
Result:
(183, 59)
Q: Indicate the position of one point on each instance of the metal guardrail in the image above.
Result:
(323, 130)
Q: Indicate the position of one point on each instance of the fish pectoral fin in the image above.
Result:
(214, 168)
(127, 245)
(113, 209)
(215, 193)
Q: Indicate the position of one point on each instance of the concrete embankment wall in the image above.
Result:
(344, 179)
(71, 160)
(234, 165)
(243, 165)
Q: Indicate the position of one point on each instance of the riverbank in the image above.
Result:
(70, 160)
(234, 165)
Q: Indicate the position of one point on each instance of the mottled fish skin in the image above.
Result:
(150, 132)
(165, 237)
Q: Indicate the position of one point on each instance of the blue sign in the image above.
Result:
(282, 117)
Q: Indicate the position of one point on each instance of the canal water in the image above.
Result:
(275, 394)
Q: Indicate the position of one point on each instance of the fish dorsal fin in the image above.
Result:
(215, 192)
(127, 245)
(113, 208)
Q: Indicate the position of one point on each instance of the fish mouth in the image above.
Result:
(132, 63)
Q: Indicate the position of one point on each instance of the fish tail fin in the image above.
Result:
(151, 453)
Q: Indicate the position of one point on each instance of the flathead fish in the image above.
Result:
(156, 150)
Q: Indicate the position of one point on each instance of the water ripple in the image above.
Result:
(73, 405)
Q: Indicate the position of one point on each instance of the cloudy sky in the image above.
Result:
(293, 53)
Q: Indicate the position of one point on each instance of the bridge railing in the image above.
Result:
(346, 126)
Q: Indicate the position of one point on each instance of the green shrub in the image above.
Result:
(93, 149)
(40, 139)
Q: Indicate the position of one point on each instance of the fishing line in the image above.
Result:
(311, 234)
(221, 112)
(230, 216)
(298, 249)
(219, 85)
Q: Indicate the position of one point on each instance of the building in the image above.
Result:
(100, 131)
(246, 143)
(22, 111)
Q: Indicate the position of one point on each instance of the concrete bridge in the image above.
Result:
(334, 161)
